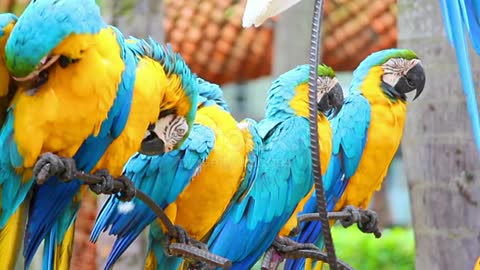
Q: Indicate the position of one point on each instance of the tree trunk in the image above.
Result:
(442, 163)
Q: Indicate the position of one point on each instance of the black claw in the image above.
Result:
(49, 164)
(107, 186)
(370, 223)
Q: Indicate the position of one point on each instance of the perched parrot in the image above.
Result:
(284, 174)
(459, 15)
(83, 93)
(258, 11)
(366, 135)
(7, 21)
(194, 183)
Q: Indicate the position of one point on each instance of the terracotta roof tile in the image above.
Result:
(354, 29)
(214, 44)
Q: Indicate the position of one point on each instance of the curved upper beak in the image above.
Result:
(152, 146)
(333, 99)
(416, 75)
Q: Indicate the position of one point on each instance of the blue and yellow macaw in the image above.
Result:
(83, 93)
(284, 173)
(366, 135)
(459, 15)
(194, 183)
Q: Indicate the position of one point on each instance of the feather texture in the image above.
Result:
(283, 176)
(366, 136)
(459, 15)
(166, 177)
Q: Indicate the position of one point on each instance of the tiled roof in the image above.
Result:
(354, 29)
(210, 37)
(208, 34)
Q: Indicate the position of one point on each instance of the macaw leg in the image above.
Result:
(107, 186)
(182, 237)
(49, 165)
(272, 259)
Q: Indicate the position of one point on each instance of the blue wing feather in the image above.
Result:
(456, 14)
(349, 129)
(211, 94)
(282, 178)
(163, 178)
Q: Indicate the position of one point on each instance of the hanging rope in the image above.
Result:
(317, 172)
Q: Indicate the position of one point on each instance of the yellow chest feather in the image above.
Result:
(387, 120)
(202, 203)
(150, 85)
(72, 104)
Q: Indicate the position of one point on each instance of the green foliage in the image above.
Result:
(395, 250)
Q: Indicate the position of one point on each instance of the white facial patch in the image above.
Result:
(171, 129)
(324, 84)
(395, 68)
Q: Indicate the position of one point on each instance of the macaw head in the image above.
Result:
(329, 92)
(290, 93)
(48, 31)
(179, 103)
(164, 135)
(401, 72)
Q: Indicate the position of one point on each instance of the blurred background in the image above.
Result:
(209, 36)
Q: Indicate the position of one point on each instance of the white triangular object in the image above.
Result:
(258, 11)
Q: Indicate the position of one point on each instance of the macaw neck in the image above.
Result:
(284, 102)
(371, 87)
(175, 97)
(99, 63)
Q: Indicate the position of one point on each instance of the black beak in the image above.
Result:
(414, 80)
(332, 100)
(152, 145)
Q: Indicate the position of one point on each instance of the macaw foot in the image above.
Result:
(180, 237)
(285, 245)
(49, 164)
(124, 192)
(288, 248)
(272, 259)
(369, 222)
(353, 216)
